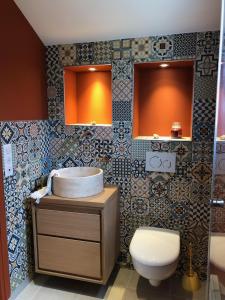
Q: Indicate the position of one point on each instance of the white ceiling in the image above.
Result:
(69, 21)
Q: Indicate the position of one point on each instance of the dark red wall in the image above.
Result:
(22, 67)
(22, 94)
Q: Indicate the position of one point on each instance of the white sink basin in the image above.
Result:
(78, 182)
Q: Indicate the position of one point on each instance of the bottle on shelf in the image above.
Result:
(176, 130)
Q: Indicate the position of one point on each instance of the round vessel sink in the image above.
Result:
(78, 182)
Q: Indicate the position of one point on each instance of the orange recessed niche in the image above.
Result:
(162, 95)
(88, 95)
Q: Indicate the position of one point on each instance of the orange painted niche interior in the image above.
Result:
(162, 96)
(88, 95)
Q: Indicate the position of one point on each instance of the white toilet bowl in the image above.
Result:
(155, 253)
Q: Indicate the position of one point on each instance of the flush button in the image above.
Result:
(160, 162)
(155, 162)
(167, 164)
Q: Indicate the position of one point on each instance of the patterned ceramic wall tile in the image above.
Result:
(140, 206)
(122, 90)
(141, 48)
(203, 132)
(7, 133)
(121, 111)
(202, 172)
(207, 42)
(122, 130)
(54, 72)
(204, 110)
(205, 87)
(121, 167)
(183, 150)
(185, 45)
(103, 148)
(183, 170)
(121, 149)
(180, 211)
(103, 132)
(121, 49)
(139, 148)
(162, 47)
(140, 187)
(124, 185)
(206, 65)
(103, 52)
(28, 140)
(202, 151)
(199, 213)
(138, 169)
(121, 70)
(207, 54)
(122, 139)
(56, 109)
(160, 209)
(159, 187)
(67, 55)
(200, 192)
(180, 189)
(85, 53)
(160, 146)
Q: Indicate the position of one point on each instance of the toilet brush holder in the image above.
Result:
(190, 280)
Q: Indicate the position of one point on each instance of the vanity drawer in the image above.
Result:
(69, 256)
(75, 225)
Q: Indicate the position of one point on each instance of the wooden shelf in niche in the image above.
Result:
(162, 96)
(88, 95)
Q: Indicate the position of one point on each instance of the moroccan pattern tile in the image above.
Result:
(207, 42)
(202, 151)
(204, 110)
(122, 90)
(205, 87)
(140, 206)
(141, 48)
(67, 55)
(121, 110)
(85, 53)
(54, 73)
(28, 140)
(121, 49)
(185, 45)
(206, 65)
(140, 187)
(162, 47)
(183, 150)
(180, 190)
(139, 148)
(175, 201)
(121, 70)
(103, 52)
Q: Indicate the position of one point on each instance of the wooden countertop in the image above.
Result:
(98, 200)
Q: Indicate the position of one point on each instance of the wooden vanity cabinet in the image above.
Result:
(77, 238)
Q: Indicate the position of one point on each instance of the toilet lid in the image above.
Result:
(217, 250)
(155, 246)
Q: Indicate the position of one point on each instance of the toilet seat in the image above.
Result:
(217, 250)
(155, 246)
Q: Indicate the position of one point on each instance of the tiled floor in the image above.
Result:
(124, 284)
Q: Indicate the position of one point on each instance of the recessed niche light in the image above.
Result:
(164, 65)
(92, 69)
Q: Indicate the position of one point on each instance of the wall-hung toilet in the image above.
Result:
(155, 253)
